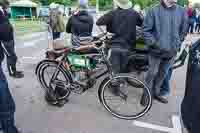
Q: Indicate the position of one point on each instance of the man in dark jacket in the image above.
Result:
(7, 40)
(122, 23)
(80, 24)
(7, 104)
(165, 27)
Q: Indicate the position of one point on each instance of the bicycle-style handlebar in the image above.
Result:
(182, 58)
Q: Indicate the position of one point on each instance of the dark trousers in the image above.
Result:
(197, 28)
(9, 51)
(119, 60)
(7, 106)
(190, 115)
(157, 73)
(56, 35)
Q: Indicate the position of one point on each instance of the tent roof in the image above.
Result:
(23, 3)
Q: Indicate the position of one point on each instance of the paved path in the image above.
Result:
(84, 113)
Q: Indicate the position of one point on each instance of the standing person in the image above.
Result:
(7, 40)
(197, 28)
(190, 14)
(56, 21)
(122, 23)
(7, 104)
(165, 27)
(69, 11)
(194, 17)
(80, 24)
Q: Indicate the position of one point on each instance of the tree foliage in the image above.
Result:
(142, 3)
(105, 4)
(145, 3)
(183, 2)
(47, 2)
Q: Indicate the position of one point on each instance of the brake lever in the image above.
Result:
(177, 66)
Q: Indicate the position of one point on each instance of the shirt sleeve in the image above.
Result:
(105, 19)
(184, 26)
(69, 25)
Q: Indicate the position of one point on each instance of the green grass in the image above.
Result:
(24, 27)
(140, 45)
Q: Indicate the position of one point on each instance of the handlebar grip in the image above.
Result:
(177, 66)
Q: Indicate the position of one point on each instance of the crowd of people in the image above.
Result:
(194, 20)
(165, 27)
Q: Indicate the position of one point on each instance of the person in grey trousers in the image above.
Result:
(165, 27)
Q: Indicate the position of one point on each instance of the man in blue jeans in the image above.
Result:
(7, 104)
(165, 27)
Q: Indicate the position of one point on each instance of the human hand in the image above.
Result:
(189, 44)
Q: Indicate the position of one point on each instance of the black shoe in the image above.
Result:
(135, 84)
(17, 75)
(14, 73)
(51, 99)
(161, 99)
(62, 102)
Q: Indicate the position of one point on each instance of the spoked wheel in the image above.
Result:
(122, 95)
(60, 85)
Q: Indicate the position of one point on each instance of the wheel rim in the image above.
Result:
(131, 103)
